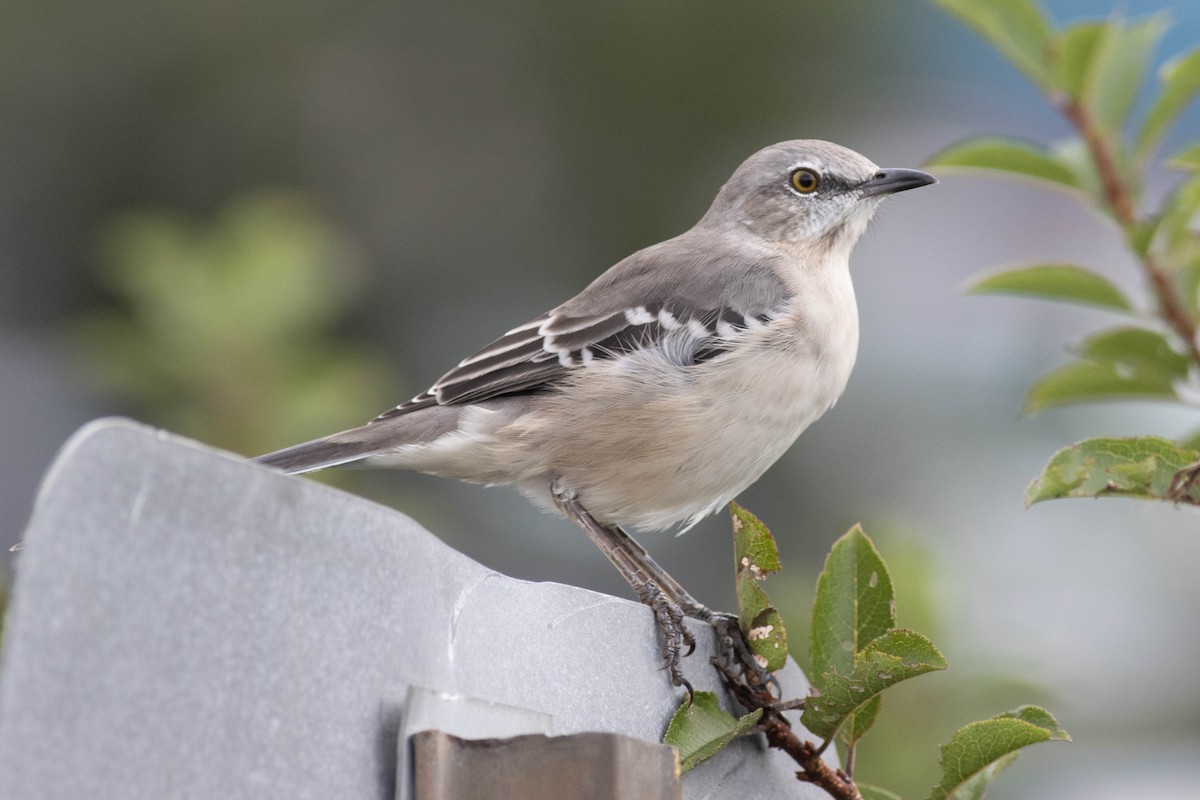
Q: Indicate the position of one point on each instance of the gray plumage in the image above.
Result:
(677, 377)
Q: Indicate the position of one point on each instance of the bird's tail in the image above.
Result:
(384, 435)
(332, 451)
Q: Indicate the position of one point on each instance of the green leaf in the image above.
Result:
(1072, 152)
(768, 640)
(977, 752)
(1118, 67)
(1017, 28)
(1076, 48)
(1011, 156)
(870, 792)
(860, 721)
(1189, 272)
(1191, 441)
(1136, 467)
(757, 556)
(1179, 211)
(1143, 234)
(1180, 79)
(1137, 350)
(1186, 159)
(701, 728)
(1088, 381)
(1063, 282)
(753, 545)
(854, 606)
(1120, 363)
(893, 657)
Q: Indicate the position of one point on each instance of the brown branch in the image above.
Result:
(1120, 202)
(753, 694)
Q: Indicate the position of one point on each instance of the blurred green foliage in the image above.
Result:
(1093, 72)
(227, 332)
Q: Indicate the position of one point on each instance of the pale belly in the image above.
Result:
(688, 441)
(649, 445)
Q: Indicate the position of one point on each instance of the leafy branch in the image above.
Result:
(857, 653)
(1092, 72)
(1121, 204)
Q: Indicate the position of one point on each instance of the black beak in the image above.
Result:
(890, 181)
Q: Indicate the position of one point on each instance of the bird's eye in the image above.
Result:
(805, 181)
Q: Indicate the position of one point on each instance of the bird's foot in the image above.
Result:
(675, 635)
(1182, 483)
(734, 656)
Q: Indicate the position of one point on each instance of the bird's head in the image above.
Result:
(808, 194)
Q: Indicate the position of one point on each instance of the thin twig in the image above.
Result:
(779, 733)
(1120, 201)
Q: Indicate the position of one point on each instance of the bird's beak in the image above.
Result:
(890, 181)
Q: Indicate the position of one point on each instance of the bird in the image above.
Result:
(667, 386)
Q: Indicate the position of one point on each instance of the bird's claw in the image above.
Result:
(735, 654)
(675, 635)
(1182, 483)
(734, 657)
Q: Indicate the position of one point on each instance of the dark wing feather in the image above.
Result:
(530, 358)
(629, 308)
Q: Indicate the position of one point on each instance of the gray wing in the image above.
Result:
(697, 302)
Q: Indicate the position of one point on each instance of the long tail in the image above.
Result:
(382, 436)
(332, 451)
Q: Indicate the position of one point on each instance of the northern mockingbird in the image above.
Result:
(671, 383)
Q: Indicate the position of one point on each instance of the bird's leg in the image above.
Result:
(655, 587)
(667, 611)
(732, 645)
(639, 569)
(671, 587)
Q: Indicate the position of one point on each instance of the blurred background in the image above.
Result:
(256, 223)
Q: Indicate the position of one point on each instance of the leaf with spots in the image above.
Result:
(977, 752)
(854, 605)
(768, 639)
(893, 657)
(701, 728)
(756, 556)
(1140, 467)
(753, 546)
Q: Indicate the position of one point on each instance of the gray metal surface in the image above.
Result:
(186, 624)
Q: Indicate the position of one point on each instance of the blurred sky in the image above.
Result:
(490, 159)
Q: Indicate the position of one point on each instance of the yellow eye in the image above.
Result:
(805, 181)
